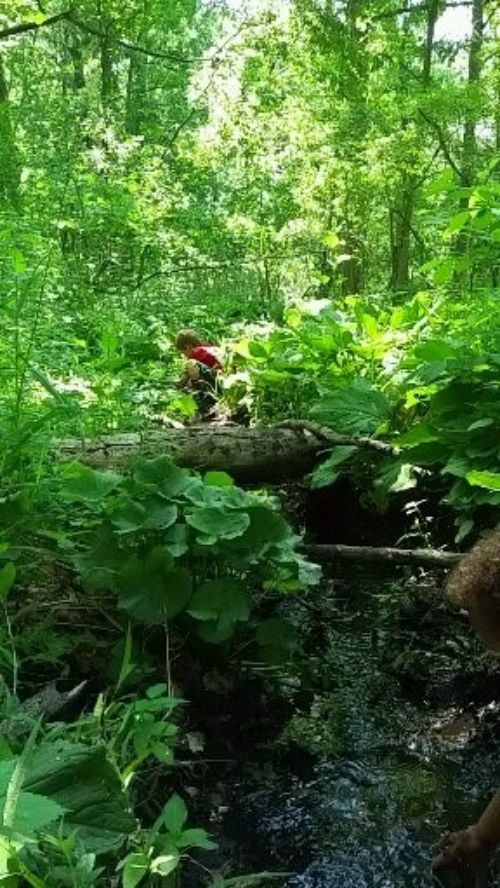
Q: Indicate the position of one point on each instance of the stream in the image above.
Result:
(383, 737)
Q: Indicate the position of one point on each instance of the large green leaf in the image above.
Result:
(162, 475)
(357, 408)
(266, 528)
(174, 815)
(33, 812)
(328, 472)
(135, 868)
(489, 480)
(217, 523)
(151, 589)
(276, 639)
(219, 604)
(82, 781)
(98, 566)
(84, 484)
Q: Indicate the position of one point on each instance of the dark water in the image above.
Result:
(395, 714)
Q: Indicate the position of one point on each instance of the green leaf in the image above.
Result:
(126, 666)
(129, 516)
(419, 434)
(444, 271)
(99, 566)
(357, 407)
(160, 513)
(277, 638)
(18, 261)
(175, 540)
(489, 480)
(151, 589)
(464, 529)
(328, 472)
(456, 223)
(162, 475)
(266, 527)
(484, 423)
(405, 479)
(196, 838)
(331, 240)
(156, 691)
(135, 867)
(217, 523)
(165, 864)
(225, 597)
(81, 483)
(219, 604)
(7, 579)
(218, 479)
(457, 465)
(81, 780)
(174, 815)
(435, 350)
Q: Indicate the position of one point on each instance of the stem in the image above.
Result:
(168, 667)
(15, 661)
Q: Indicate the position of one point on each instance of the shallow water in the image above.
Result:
(392, 771)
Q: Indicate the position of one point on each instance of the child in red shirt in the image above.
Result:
(202, 368)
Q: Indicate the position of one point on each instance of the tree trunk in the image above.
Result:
(402, 215)
(402, 236)
(9, 159)
(475, 68)
(272, 454)
(249, 455)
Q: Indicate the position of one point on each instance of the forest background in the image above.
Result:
(314, 184)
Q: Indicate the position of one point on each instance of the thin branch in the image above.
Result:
(69, 16)
(331, 438)
(203, 92)
(422, 7)
(24, 27)
(133, 47)
(442, 142)
(367, 555)
(189, 116)
(218, 266)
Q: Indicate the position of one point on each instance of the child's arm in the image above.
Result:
(488, 826)
(471, 847)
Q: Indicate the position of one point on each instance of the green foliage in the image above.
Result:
(162, 532)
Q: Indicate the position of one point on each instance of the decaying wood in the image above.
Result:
(256, 455)
(433, 558)
(249, 455)
(42, 705)
(332, 439)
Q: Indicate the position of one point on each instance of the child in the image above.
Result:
(203, 365)
(475, 586)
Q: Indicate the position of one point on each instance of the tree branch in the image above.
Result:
(422, 7)
(442, 142)
(23, 28)
(218, 266)
(367, 555)
(331, 438)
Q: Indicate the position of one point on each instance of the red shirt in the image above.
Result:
(204, 354)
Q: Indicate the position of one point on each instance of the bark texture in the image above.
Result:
(249, 455)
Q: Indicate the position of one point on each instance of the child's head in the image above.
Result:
(187, 340)
(475, 586)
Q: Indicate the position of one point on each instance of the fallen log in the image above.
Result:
(366, 555)
(255, 455)
(41, 706)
